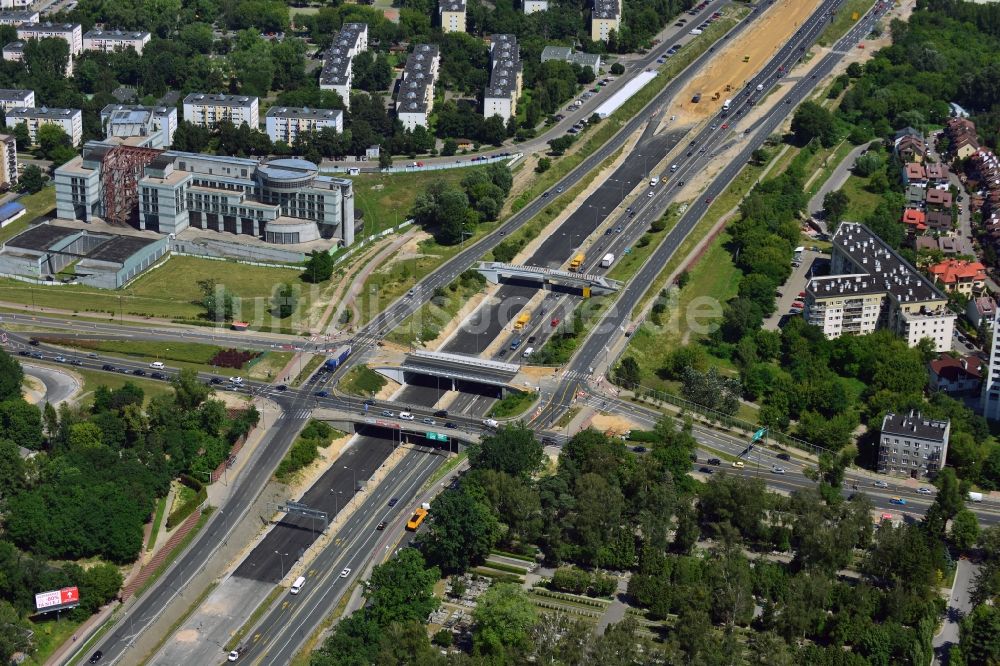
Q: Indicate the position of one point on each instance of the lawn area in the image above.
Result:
(714, 280)
(512, 404)
(94, 378)
(386, 199)
(824, 163)
(171, 291)
(362, 380)
(627, 265)
(844, 19)
(38, 204)
(863, 203)
(49, 635)
(427, 322)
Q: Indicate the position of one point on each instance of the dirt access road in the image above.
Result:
(738, 60)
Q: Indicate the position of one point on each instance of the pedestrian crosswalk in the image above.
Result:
(299, 414)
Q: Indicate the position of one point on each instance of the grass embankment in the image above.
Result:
(94, 378)
(513, 404)
(385, 199)
(38, 204)
(315, 360)
(862, 202)
(608, 127)
(844, 20)
(171, 291)
(363, 381)
(305, 450)
(627, 265)
(431, 318)
(161, 509)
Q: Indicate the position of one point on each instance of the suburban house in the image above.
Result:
(956, 375)
(981, 309)
(957, 275)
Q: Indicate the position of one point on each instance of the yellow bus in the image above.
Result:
(418, 517)
(522, 321)
(576, 263)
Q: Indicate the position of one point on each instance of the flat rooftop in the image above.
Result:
(219, 99)
(42, 112)
(119, 248)
(605, 9)
(14, 94)
(40, 237)
(97, 33)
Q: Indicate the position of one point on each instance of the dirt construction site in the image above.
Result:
(739, 60)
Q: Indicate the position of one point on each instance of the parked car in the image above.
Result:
(706, 470)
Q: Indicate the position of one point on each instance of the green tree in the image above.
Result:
(513, 449)
(402, 589)
(22, 423)
(617, 69)
(319, 267)
(980, 635)
(51, 138)
(31, 180)
(21, 136)
(812, 121)
(189, 392)
(964, 530)
(835, 204)
(252, 64)
(15, 632)
(504, 616)
(628, 373)
(11, 377)
(218, 301)
(544, 164)
(285, 300)
(461, 533)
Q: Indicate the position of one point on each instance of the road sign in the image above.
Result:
(759, 435)
(437, 436)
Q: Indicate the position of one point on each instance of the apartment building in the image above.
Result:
(337, 73)
(71, 33)
(205, 110)
(532, 6)
(18, 16)
(287, 123)
(415, 96)
(605, 17)
(452, 15)
(282, 201)
(912, 445)
(13, 98)
(71, 121)
(113, 40)
(506, 78)
(990, 397)
(156, 123)
(8, 160)
(870, 286)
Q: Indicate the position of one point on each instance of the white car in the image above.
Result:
(778, 470)
(345, 573)
(406, 416)
(236, 380)
(880, 484)
(925, 491)
(234, 655)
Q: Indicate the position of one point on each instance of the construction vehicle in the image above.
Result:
(522, 321)
(577, 262)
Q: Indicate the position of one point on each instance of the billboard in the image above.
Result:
(68, 596)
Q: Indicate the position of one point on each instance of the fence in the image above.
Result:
(459, 163)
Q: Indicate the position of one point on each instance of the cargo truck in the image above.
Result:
(577, 262)
(522, 321)
(725, 105)
(338, 358)
(607, 260)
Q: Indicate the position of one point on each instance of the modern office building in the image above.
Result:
(156, 123)
(8, 160)
(506, 78)
(532, 6)
(913, 445)
(337, 73)
(281, 201)
(204, 109)
(18, 16)
(71, 120)
(605, 17)
(13, 98)
(452, 13)
(870, 286)
(415, 95)
(71, 33)
(286, 123)
(112, 40)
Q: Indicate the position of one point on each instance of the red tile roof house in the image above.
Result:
(914, 174)
(958, 275)
(979, 309)
(938, 199)
(915, 220)
(956, 375)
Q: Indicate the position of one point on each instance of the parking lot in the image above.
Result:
(792, 292)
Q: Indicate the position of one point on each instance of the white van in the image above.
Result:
(297, 585)
(653, 181)
(156, 365)
(406, 416)
(528, 352)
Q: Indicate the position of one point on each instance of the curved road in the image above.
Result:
(60, 386)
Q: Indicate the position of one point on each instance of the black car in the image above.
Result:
(108, 367)
(282, 387)
(714, 461)
(784, 456)
(531, 340)
(157, 375)
(368, 402)
(76, 362)
(96, 657)
(706, 470)
(449, 424)
(394, 501)
(322, 394)
(215, 380)
(24, 352)
(441, 413)
(123, 371)
(381, 526)
(639, 449)
(33, 342)
(139, 372)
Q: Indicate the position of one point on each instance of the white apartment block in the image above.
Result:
(912, 445)
(532, 6)
(870, 287)
(71, 33)
(415, 97)
(71, 121)
(205, 110)
(16, 4)
(337, 73)
(506, 78)
(18, 16)
(606, 16)
(286, 124)
(156, 124)
(8, 160)
(113, 40)
(452, 14)
(990, 398)
(16, 99)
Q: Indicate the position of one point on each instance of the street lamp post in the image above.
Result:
(354, 475)
(282, 556)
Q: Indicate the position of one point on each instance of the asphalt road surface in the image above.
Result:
(59, 386)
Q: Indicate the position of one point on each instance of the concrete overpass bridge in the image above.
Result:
(454, 372)
(583, 284)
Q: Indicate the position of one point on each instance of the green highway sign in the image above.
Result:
(438, 436)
